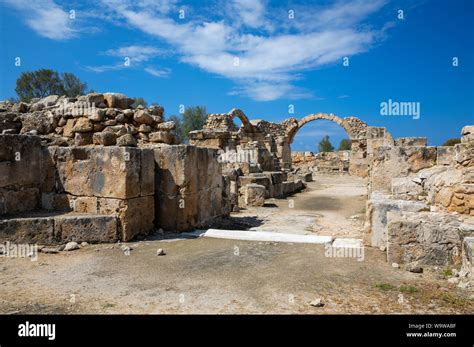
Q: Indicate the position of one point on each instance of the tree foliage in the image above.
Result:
(44, 82)
(345, 145)
(451, 142)
(194, 118)
(179, 127)
(325, 145)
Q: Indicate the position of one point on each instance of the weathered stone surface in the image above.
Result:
(376, 215)
(126, 140)
(20, 160)
(136, 215)
(189, 187)
(166, 126)
(90, 228)
(117, 100)
(254, 194)
(390, 162)
(99, 171)
(28, 230)
(161, 137)
(83, 125)
(15, 201)
(105, 138)
(406, 186)
(82, 139)
(142, 117)
(445, 155)
(429, 238)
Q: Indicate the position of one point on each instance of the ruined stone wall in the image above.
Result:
(324, 162)
(420, 204)
(189, 187)
(100, 119)
(21, 166)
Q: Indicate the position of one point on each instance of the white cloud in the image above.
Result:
(250, 43)
(45, 17)
(264, 65)
(158, 72)
(105, 68)
(136, 54)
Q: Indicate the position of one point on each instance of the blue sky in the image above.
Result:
(260, 56)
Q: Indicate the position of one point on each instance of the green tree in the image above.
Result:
(72, 85)
(325, 145)
(451, 142)
(139, 101)
(179, 127)
(345, 145)
(44, 82)
(194, 118)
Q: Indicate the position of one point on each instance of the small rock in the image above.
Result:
(415, 269)
(383, 248)
(84, 244)
(453, 280)
(71, 246)
(49, 250)
(395, 266)
(455, 272)
(160, 251)
(317, 303)
(126, 249)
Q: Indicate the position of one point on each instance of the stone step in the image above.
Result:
(48, 228)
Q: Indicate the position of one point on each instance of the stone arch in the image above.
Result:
(354, 127)
(357, 130)
(247, 126)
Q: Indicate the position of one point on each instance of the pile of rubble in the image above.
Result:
(100, 119)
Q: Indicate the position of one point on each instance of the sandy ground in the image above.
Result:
(205, 275)
(331, 205)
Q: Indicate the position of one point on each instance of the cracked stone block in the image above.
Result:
(429, 238)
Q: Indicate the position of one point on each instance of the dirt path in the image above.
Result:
(205, 275)
(331, 205)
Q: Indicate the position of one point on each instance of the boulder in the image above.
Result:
(161, 137)
(126, 140)
(116, 100)
(254, 194)
(142, 117)
(106, 138)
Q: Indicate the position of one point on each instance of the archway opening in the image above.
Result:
(321, 146)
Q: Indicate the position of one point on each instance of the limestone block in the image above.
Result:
(377, 208)
(126, 140)
(16, 201)
(142, 117)
(254, 194)
(445, 155)
(106, 138)
(99, 171)
(85, 228)
(430, 238)
(406, 186)
(20, 161)
(188, 182)
(82, 139)
(117, 100)
(28, 230)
